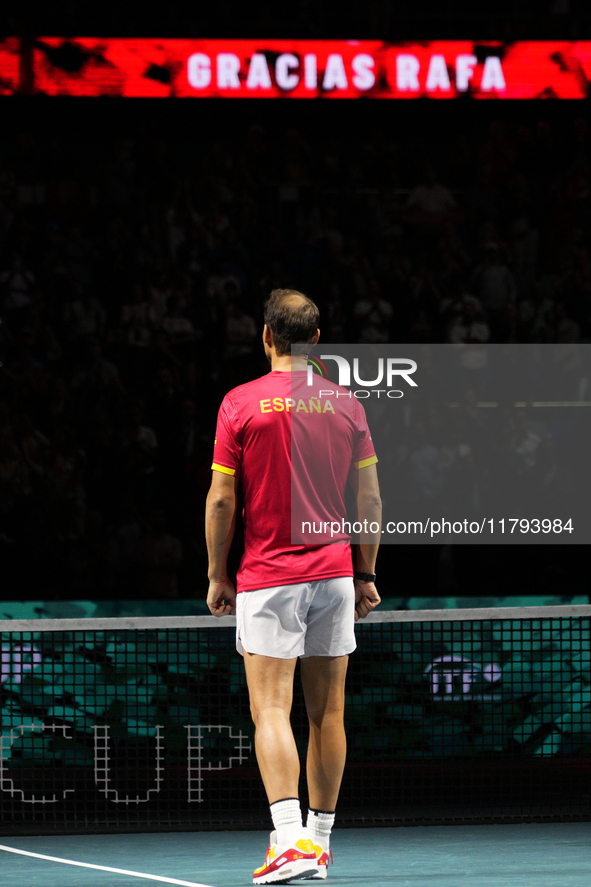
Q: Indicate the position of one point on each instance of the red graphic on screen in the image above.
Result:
(91, 66)
(9, 65)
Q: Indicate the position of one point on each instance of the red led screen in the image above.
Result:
(9, 65)
(90, 66)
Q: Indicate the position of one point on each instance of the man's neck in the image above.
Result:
(284, 363)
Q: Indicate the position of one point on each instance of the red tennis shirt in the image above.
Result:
(292, 445)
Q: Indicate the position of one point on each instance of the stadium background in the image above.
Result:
(138, 242)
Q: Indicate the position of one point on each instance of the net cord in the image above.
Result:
(155, 623)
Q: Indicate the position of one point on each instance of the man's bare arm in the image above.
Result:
(369, 508)
(220, 522)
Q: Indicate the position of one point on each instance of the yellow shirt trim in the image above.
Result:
(223, 468)
(365, 462)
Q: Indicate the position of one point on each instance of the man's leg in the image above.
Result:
(323, 680)
(270, 687)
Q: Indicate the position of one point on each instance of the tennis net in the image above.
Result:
(144, 724)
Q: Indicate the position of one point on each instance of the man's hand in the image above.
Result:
(366, 598)
(221, 598)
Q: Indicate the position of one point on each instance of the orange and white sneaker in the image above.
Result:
(283, 864)
(323, 858)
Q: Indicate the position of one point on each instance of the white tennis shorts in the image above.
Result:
(305, 619)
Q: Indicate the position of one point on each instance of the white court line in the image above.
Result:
(103, 868)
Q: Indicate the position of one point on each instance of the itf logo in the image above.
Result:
(452, 678)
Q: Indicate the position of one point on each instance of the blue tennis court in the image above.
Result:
(536, 855)
(110, 746)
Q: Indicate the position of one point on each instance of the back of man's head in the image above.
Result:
(292, 318)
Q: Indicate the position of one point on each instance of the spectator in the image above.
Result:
(241, 332)
(33, 445)
(135, 321)
(95, 373)
(420, 330)
(430, 203)
(468, 327)
(568, 331)
(84, 316)
(160, 293)
(93, 562)
(336, 317)
(537, 315)
(452, 305)
(65, 476)
(373, 315)
(525, 252)
(140, 446)
(17, 284)
(159, 557)
(126, 532)
(177, 325)
(14, 481)
(495, 286)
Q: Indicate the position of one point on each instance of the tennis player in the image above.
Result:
(294, 600)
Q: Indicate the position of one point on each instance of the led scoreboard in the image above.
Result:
(187, 68)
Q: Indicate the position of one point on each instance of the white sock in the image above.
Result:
(320, 825)
(287, 821)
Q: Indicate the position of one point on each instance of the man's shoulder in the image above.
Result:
(240, 398)
(342, 400)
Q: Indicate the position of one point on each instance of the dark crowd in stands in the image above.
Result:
(308, 19)
(133, 271)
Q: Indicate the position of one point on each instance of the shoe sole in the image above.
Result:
(303, 869)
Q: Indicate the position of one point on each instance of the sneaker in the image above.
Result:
(288, 863)
(323, 857)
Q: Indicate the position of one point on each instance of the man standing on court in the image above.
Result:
(294, 600)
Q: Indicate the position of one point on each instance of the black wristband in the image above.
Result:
(364, 577)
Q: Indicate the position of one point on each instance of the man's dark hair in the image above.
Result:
(292, 318)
